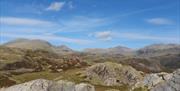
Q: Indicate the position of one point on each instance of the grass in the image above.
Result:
(104, 88)
(141, 89)
(36, 75)
(70, 75)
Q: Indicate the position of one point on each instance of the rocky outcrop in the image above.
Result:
(46, 85)
(153, 79)
(111, 74)
(84, 87)
(36, 85)
(173, 84)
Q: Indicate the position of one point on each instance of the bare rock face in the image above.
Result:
(84, 87)
(35, 85)
(111, 74)
(47, 85)
(63, 86)
(152, 80)
(173, 84)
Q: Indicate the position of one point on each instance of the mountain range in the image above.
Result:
(151, 50)
(152, 58)
(22, 60)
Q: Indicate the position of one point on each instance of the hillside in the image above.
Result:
(37, 44)
(118, 67)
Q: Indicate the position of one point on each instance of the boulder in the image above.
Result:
(153, 79)
(35, 85)
(62, 85)
(47, 85)
(84, 87)
(173, 84)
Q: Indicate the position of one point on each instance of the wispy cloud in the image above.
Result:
(76, 24)
(24, 21)
(47, 37)
(159, 21)
(84, 21)
(81, 23)
(104, 35)
(55, 6)
(113, 35)
(139, 36)
(139, 11)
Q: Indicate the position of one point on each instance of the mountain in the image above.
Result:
(63, 49)
(37, 44)
(152, 58)
(120, 50)
(111, 51)
(30, 44)
(158, 50)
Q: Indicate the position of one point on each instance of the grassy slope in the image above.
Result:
(70, 75)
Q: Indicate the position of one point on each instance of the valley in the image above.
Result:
(118, 68)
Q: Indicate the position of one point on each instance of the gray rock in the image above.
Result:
(173, 84)
(62, 86)
(84, 87)
(35, 85)
(47, 85)
(152, 80)
(112, 74)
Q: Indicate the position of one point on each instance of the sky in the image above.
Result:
(83, 24)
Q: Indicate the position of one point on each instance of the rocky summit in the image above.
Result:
(111, 74)
(47, 85)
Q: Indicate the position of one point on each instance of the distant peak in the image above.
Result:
(63, 46)
(16, 41)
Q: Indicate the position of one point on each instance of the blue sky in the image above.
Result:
(91, 23)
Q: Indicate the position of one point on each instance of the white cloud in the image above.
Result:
(24, 21)
(75, 24)
(47, 37)
(159, 21)
(56, 6)
(108, 35)
(104, 35)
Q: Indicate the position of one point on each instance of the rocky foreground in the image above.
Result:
(107, 74)
(161, 81)
(47, 85)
